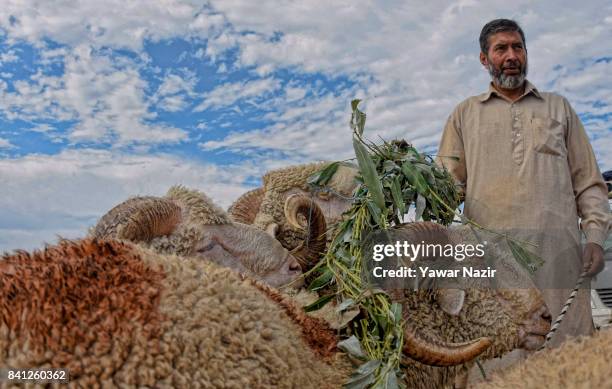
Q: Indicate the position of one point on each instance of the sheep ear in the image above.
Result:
(272, 230)
(451, 300)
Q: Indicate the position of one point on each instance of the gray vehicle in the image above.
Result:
(601, 294)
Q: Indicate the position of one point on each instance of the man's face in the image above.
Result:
(506, 60)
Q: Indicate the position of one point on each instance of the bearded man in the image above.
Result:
(525, 166)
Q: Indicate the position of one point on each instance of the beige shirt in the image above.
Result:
(527, 169)
(525, 163)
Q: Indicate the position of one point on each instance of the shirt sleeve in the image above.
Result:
(590, 190)
(451, 153)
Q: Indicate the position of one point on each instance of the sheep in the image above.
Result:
(263, 207)
(582, 362)
(117, 313)
(187, 223)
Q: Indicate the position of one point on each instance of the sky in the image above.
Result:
(103, 100)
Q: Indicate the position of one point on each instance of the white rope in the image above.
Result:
(566, 306)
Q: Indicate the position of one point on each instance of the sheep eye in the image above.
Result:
(206, 248)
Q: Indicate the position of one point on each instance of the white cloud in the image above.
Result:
(110, 23)
(5, 144)
(106, 100)
(229, 93)
(412, 63)
(42, 196)
(174, 92)
(8, 56)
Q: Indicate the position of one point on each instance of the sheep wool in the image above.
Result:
(116, 314)
(278, 183)
(200, 208)
(578, 363)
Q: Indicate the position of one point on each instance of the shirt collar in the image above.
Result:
(529, 88)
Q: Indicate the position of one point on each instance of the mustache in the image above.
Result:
(512, 65)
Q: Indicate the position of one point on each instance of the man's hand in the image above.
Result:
(593, 259)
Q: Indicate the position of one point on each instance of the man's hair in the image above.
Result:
(495, 26)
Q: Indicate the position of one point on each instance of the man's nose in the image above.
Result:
(511, 55)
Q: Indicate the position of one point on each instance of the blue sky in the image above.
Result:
(104, 100)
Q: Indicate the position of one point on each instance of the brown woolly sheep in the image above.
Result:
(263, 207)
(578, 363)
(119, 314)
(186, 222)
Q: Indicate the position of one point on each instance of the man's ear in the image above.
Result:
(483, 59)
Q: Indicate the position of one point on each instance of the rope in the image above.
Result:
(566, 306)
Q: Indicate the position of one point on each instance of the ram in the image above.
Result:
(116, 313)
(264, 207)
(187, 223)
(578, 363)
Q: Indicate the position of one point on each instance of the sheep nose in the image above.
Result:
(546, 314)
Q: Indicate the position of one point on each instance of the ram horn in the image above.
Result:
(246, 207)
(298, 206)
(437, 353)
(139, 219)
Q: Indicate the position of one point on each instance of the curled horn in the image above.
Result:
(139, 219)
(308, 252)
(423, 348)
(246, 207)
(437, 353)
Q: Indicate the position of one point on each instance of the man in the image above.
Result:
(525, 165)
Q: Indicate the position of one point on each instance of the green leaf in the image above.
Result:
(420, 207)
(364, 376)
(396, 193)
(375, 212)
(320, 303)
(415, 177)
(369, 367)
(321, 280)
(382, 321)
(323, 176)
(396, 311)
(358, 118)
(360, 381)
(389, 166)
(353, 347)
(368, 171)
(528, 260)
(346, 304)
(389, 381)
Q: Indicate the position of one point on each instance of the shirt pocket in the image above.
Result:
(549, 136)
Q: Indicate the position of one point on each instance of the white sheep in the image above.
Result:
(577, 363)
(264, 207)
(186, 222)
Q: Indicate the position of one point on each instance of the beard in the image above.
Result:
(505, 81)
